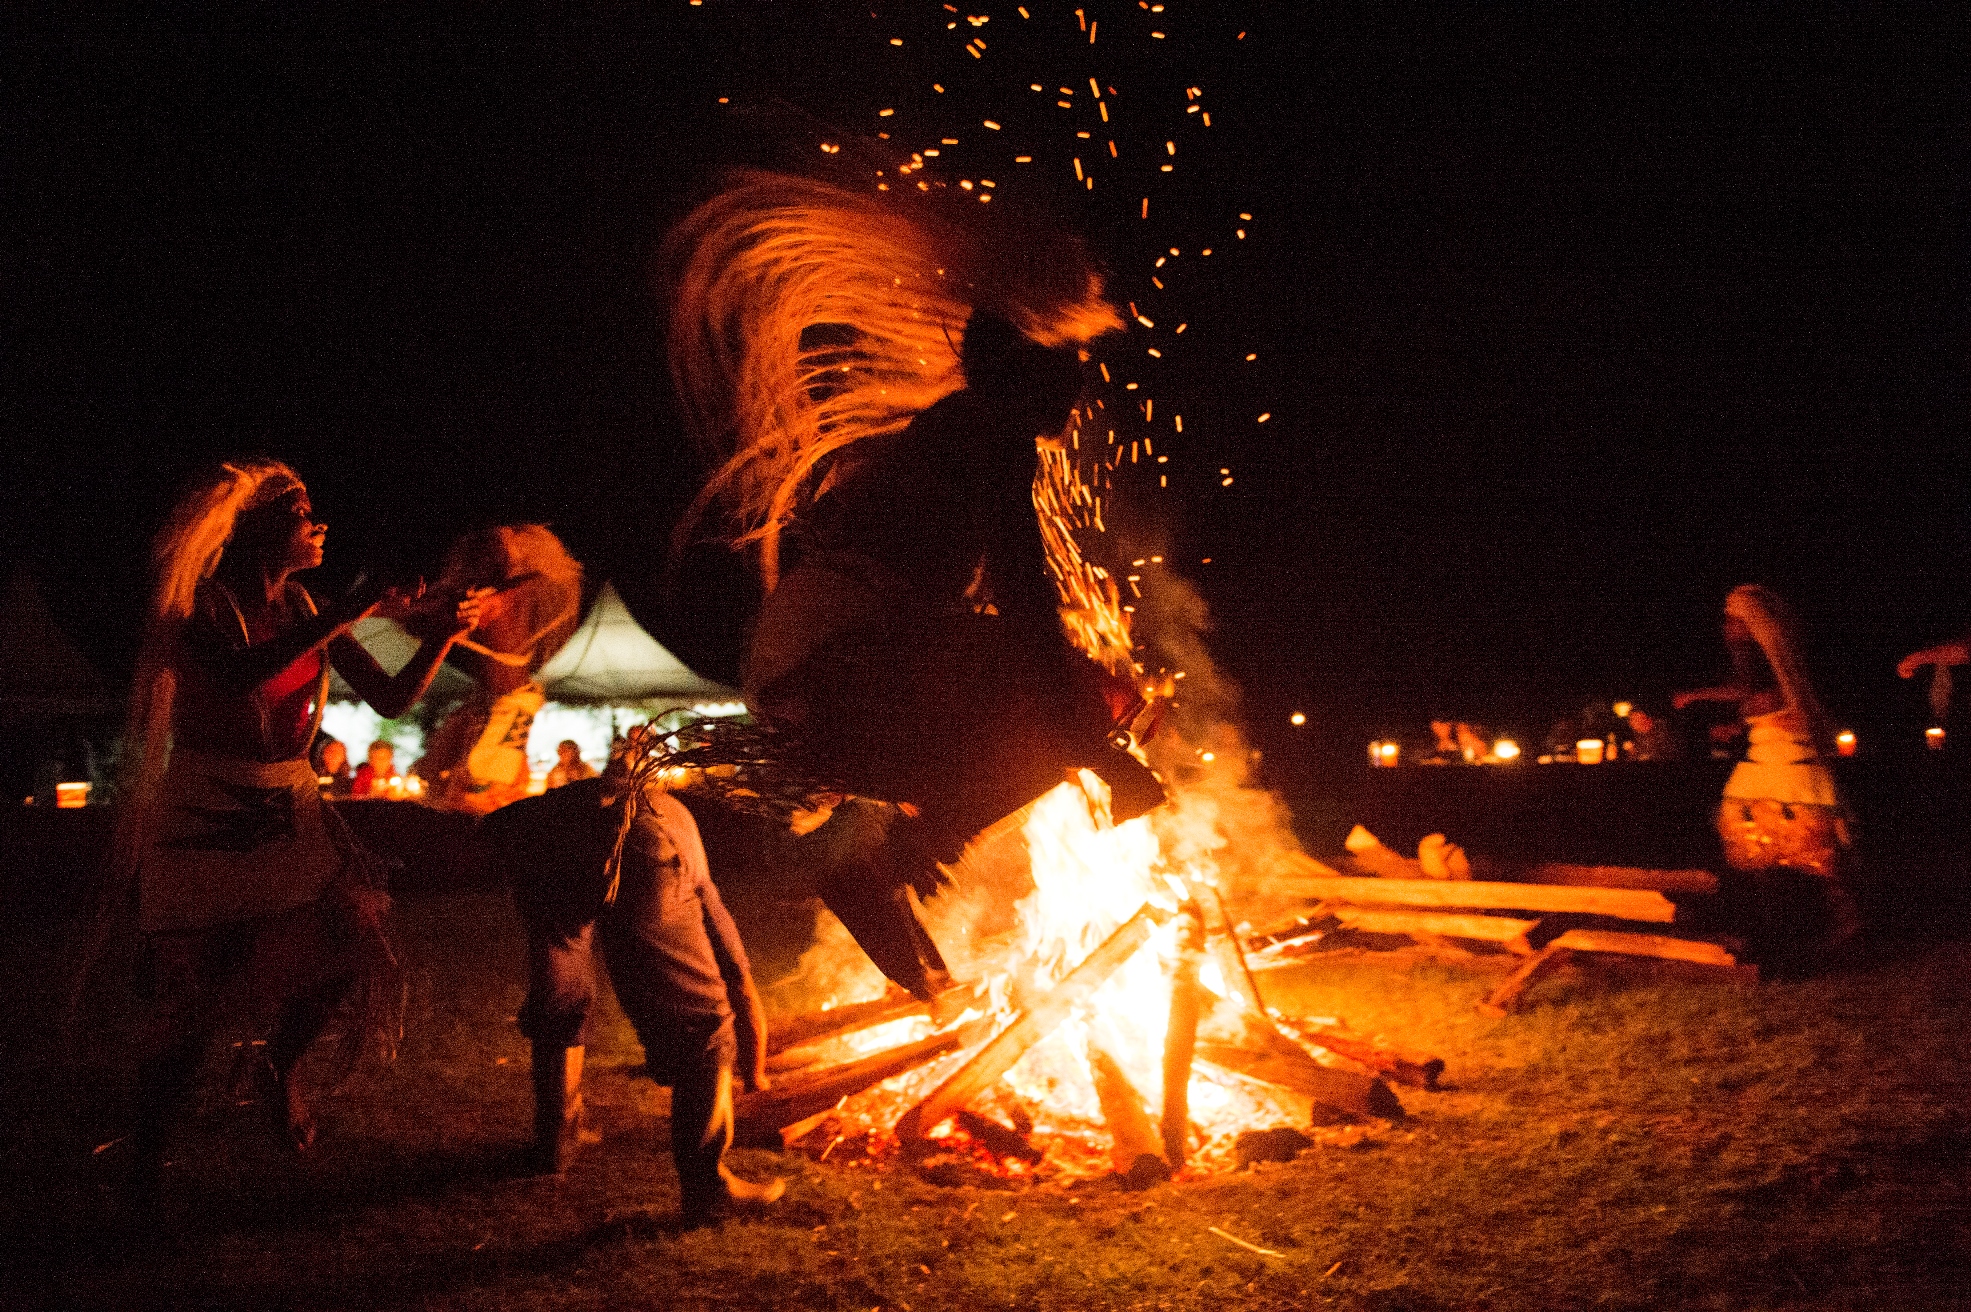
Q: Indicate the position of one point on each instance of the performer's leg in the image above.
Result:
(870, 853)
(187, 972)
(299, 964)
(555, 1018)
(701, 1131)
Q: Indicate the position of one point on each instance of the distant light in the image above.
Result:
(1844, 742)
(1384, 753)
(1935, 737)
(1506, 749)
(1588, 751)
(1207, 757)
(1622, 710)
(1297, 718)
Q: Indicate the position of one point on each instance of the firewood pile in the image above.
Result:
(1344, 1077)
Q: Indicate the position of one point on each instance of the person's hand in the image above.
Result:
(1947, 653)
(466, 612)
(400, 603)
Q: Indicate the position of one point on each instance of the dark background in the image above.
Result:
(1566, 326)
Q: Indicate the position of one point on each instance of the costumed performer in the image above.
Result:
(1781, 809)
(673, 955)
(476, 759)
(880, 384)
(250, 891)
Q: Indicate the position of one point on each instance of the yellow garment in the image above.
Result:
(497, 763)
(1781, 764)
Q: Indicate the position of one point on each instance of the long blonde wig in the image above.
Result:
(1777, 631)
(185, 553)
(805, 317)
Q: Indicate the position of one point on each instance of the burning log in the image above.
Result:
(758, 1118)
(1663, 881)
(1507, 932)
(1179, 1047)
(1135, 1150)
(1344, 1094)
(1419, 1070)
(1031, 1026)
(815, 1026)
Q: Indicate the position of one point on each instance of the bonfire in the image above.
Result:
(1114, 1026)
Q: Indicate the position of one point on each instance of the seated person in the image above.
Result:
(673, 955)
(569, 767)
(374, 775)
(332, 764)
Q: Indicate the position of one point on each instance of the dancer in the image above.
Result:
(250, 892)
(1781, 809)
(879, 384)
(531, 590)
(674, 957)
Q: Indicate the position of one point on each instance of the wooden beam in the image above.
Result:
(1030, 1027)
(1507, 994)
(1645, 945)
(1345, 1094)
(836, 1021)
(1663, 881)
(1419, 1069)
(1620, 903)
(759, 1117)
(1503, 930)
(1180, 1042)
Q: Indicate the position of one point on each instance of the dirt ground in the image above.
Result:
(1642, 1134)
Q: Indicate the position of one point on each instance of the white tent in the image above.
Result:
(611, 658)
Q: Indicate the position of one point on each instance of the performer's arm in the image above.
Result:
(222, 652)
(748, 1015)
(390, 694)
(1946, 653)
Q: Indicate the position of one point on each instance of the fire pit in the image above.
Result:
(1113, 1027)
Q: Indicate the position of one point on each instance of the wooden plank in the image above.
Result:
(1347, 1094)
(1645, 945)
(1507, 994)
(1663, 881)
(1504, 930)
(1030, 1026)
(1619, 903)
(759, 1117)
(794, 1031)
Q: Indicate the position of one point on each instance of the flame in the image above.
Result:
(1087, 877)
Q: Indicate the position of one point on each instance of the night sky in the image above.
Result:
(1563, 329)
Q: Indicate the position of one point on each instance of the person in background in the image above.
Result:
(252, 896)
(1781, 810)
(1943, 655)
(1651, 739)
(569, 767)
(673, 955)
(374, 775)
(332, 764)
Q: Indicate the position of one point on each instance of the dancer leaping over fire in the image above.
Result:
(875, 383)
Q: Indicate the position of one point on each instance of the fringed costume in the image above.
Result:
(1781, 809)
(875, 383)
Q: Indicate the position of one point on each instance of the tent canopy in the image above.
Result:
(42, 672)
(610, 658)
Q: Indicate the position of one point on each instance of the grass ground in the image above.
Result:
(1641, 1135)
